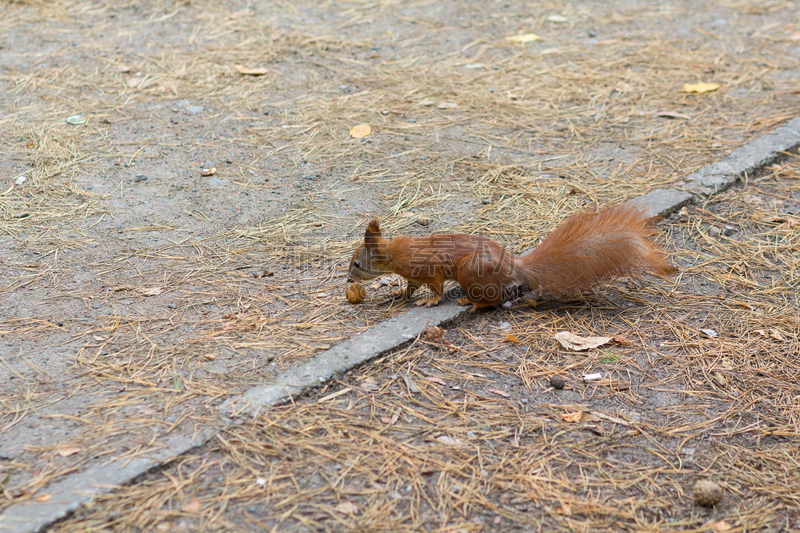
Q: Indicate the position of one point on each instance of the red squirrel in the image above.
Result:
(584, 250)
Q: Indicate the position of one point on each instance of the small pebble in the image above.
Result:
(729, 230)
(592, 34)
(486, 201)
(707, 493)
(714, 231)
(139, 178)
(21, 214)
(557, 382)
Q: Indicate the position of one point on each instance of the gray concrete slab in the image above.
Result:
(371, 343)
(73, 491)
(70, 493)
(662, 202)
(746, 160)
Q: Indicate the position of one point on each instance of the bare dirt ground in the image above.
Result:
(469, 434)
(138, 293)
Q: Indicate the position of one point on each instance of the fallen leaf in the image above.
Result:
(524, 38)
(710, 333)
(346, 508)
(192, 506)
(361, 131)
(753, 200)
(370, 385)
(572, 417)
(251, 71)
(700, 87)
(208, 171)
(412, 387)
(447, 105)
(66, 452)
(133, 82)
(438, 381)
(502, 393)
(123, 68)
(574, 342)
(426, 102)
(389, 420)
(510, 338)
(672, 114)
(444, 439)
(150, 291)
(721, 526)
(622, 340)
(406, 214)
(43, 498)
(261, 481)
(556, 18)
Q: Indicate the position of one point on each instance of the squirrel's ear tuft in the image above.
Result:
(374, 227)
(373, 232)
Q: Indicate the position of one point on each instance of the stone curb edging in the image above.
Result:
(72, 492)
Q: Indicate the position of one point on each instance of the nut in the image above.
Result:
(356, 293)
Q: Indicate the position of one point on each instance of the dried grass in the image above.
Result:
(488, 137)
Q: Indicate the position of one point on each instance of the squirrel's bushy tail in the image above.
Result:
(592, 247)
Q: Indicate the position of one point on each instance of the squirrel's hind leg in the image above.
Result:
(475, 305)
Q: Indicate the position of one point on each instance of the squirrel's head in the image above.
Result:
(369, 260)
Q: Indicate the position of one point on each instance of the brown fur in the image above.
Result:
(584, 250)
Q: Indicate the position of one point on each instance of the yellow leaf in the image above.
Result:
(66, 452)
(524, 38)
(721, 526)
(251, 71)
(192, 506)
(574, 342)
(361, 131)
(346, 508)
(43, 498)
(572, 417)
(700, 87)
(150, 291)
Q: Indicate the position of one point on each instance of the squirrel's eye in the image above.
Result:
(357, 264)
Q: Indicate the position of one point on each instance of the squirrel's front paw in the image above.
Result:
(398, 293)
(427, 302)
